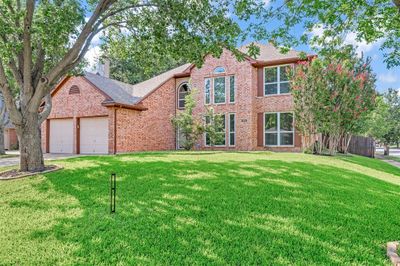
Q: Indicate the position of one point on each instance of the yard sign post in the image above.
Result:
(113, 181)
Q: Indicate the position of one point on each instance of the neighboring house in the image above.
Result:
(94, 114)
(10, 137)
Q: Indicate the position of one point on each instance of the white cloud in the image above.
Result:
(92, 57)
(351, 38)
(361, 46)
(267, 2)
(388, 77)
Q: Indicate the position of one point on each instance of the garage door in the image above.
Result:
(94, 135)
(61, 136)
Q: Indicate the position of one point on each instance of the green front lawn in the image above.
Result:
(203, 208)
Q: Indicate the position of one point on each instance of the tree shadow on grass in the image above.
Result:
(200, 212)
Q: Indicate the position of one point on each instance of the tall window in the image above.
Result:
(183, 90)
(232, 89)
(276, 80)
(221, 141)
(219, 90)
(278, 129)
(232, 129)
(207, 91)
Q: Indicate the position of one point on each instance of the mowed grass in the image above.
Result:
(203, 208)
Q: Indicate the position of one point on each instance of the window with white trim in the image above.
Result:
(278, 129)
(207, 91)
(220, 141)
(232, 89)
(183, 90)
(219, 90)
(232, 129)
(276, 80)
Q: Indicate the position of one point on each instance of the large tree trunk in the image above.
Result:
(386, 149)
(31, 155)
(2, 149)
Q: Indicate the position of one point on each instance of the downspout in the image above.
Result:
(175, 107)
(115, 130)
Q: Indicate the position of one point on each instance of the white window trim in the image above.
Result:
(213, 90)
(229, 129)
(205, 135)
(278, 132)
(205, 82)
(278, 81)
(178, 94)
(234, 89)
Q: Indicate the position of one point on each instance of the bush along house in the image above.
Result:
(93, 114)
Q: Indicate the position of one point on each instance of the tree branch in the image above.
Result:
(70, 57)
(46, 110)
(397, 4)
(27, 52)
(15, 114)
(39, 65)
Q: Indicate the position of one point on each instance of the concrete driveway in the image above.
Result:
(47, 156)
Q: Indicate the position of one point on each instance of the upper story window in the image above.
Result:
(219, 90)
(74, 90)
(183, 90)
(207, 91)
(276, 80)
(219, 70)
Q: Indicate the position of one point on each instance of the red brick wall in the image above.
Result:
(243, 100)
(85, 104)
(151, 129)
(247, 103)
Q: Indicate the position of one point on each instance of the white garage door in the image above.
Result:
(61, 136)
(94, 135)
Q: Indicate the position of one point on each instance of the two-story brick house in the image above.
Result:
(95, 114)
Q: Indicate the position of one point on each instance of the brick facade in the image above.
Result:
(151, 129)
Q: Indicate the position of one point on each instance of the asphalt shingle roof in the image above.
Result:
(124, 93)
(268, 52)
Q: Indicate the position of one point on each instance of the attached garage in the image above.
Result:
(61, 136)
(93, 135)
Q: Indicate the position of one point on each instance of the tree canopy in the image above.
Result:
(42, 41)
(370, 21)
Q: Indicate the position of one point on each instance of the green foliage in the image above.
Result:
(189, 127)
(203, 208)
(369, 20)
(383, 123)
(331, 96)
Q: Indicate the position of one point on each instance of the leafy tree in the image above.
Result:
(370, 21)
(42, 41)
(330, 96)
(189, 126)
(383, 123)
(129, 64)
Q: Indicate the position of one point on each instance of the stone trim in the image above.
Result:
(392, 249)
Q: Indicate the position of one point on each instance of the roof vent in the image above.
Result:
(74, 90)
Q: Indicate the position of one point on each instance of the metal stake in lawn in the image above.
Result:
(113, 182)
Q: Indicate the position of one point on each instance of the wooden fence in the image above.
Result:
(363, 146)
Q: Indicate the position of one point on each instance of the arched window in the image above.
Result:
(74, 90)
(183, 90)
(219, 70)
